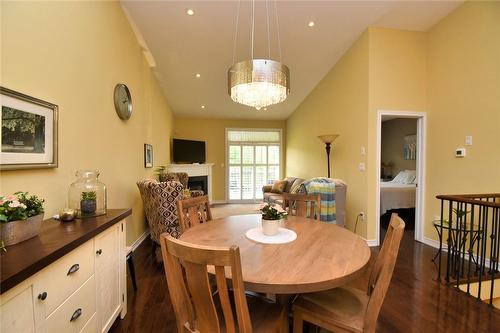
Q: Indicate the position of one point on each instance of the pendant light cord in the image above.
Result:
(277, 26)
(236, 30)
(253, 27)
(253, 30)
(268, 35)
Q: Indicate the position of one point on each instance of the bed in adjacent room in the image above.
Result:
(398, 193)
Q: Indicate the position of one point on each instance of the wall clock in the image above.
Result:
(123, 101)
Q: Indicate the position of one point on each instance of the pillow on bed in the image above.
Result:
(405, 177)
(412, 174)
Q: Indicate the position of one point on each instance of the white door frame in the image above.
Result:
(421, 148)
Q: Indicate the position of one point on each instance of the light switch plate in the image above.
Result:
(361, 166)
(460, 152)
(468, 140)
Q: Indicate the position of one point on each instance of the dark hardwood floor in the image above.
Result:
(415, 302)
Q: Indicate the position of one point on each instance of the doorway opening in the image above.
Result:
(400, 170)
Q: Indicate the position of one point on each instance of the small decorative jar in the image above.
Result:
(87, 195)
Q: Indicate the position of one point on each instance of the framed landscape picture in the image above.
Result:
(29, 132)
(148, 155)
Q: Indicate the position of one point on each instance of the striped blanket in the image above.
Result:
(325, 187)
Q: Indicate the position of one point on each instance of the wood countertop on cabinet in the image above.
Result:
(55, 240)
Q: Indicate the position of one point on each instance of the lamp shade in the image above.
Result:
(259, 82)
(328, 138)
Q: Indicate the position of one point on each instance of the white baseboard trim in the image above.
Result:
(139, 240)
(433, 243)
(371, 242)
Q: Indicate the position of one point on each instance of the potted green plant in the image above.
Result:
(21, 217)
(88, 203)
(272, 216)
(161, 172)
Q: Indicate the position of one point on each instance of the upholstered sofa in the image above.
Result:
(293, 185)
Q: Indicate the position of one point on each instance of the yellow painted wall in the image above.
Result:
(72, 53)
(393, 133)
(338, 104)
(452, 72)
(213, 132)
(397, 82)
(463, 99)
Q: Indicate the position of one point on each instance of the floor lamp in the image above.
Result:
(327, 140)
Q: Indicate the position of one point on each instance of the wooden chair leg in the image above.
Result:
(298, 323)
(285, 328)
(153, 248)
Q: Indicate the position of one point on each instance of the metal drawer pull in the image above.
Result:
(42, 296)
(76, 314)
(73, 269)
(98, 252)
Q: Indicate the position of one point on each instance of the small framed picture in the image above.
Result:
(28, 132)
(148, 155)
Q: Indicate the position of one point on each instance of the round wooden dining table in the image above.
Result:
(323, 255)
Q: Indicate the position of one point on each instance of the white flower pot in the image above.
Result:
(17, 231)
(270, 227)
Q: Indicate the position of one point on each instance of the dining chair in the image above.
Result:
(193, 211)
(298, 205)
(196, 310)
(349, 309)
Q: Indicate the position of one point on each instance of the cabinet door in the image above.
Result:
(17, 314)
(108, 257)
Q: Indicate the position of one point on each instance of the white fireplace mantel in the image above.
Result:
(194, 170)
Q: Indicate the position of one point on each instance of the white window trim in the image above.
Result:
(226, 177)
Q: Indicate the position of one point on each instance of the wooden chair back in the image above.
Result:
(193, 211)
(191, 297)
(298, 205)
(381, 274)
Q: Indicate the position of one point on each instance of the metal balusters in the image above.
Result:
(440, 240)
(449, 241)
(473, 243)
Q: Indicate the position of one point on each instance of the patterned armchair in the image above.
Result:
(159, 200)
(183, 178)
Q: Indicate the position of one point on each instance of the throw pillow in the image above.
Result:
(278, 186)
(295, 188)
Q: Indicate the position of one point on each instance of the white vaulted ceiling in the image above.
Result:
(183, 45)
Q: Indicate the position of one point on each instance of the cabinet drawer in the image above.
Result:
(75, 312)
(91, 325)
(59, 280)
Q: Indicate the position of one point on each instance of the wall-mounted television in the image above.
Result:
(188, 151)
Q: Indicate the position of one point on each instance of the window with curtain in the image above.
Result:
(253, 160)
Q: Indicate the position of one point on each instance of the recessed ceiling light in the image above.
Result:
(310, 24)
(197, 75)
(265, 109)
(190, 12)
(203, 106)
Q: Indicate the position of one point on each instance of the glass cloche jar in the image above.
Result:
(87, 195)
